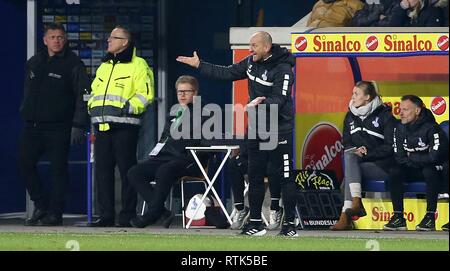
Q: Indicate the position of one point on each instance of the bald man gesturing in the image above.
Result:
(269, 70)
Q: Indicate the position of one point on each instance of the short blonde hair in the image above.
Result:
(187, 79)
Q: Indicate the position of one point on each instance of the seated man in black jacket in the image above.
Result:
(169, 160)
(420, 150)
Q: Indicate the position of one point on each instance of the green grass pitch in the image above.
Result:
(179, 242)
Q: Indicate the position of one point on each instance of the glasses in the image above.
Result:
(184, 91)
(116, 38)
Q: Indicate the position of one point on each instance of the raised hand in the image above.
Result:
(193, 61)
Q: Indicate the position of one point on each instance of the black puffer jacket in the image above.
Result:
(53, 90)
(370, 14)
(420, 143)
(375, 132)
(271, 78)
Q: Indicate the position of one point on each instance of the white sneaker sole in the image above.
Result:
(260, 233)
(394, 229)
(424, 229)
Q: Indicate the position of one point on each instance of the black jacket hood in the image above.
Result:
(280, 55)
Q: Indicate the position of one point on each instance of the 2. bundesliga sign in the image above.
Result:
(369, 43)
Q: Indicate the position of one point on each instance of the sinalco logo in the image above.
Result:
(372, 43)
(438, 105)
(443, 43)
(322, 149)
(301, 43)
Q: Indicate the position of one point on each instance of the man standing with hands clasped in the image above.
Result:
(270, 79)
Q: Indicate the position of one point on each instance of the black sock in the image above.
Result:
(275, 204)
(239, 206)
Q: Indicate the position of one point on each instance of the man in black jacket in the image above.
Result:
(169, 160)
(54, 115)
(382, 13)
(270, 79)
(420, 150)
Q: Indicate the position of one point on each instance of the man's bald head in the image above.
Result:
(265, 37)
(260, 46)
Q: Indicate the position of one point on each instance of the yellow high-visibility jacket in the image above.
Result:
(122, 89)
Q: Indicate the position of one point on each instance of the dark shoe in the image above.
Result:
(167, 218)
(357, 208)
(254, 229)
(445, 227)
(288, 230)
(142, 221)
(51, 220)
(396, 223)
(101, 222)
(124, 223)
(38, 214)
(427, 223)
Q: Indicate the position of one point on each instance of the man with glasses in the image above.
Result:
(54, 115)
(121, 91)
(169, 160)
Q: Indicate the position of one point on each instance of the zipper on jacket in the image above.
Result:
(106, 90)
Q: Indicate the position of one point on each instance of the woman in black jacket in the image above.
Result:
(367, 136)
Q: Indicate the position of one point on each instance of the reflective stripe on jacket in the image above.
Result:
(121, 90)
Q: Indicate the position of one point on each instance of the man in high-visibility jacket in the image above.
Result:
(121, 91)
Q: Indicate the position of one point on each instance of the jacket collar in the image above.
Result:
(123, 57)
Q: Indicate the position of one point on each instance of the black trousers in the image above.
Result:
(115, 146)
(165, 174)
(238, 167)
(399, 174)
(278, 164)
(55, 143)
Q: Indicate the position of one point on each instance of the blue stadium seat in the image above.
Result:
(381, 186)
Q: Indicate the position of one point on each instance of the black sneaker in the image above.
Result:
(445, 227)
(142, 221)
(427, 223)
(51, 220)
(167, 218)
(288, 230)
(396, 223)
(254, 229)
(38, 214)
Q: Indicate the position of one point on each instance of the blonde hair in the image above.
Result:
(369, 88)
(188, 80)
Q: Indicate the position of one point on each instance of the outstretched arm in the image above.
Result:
(193, 61)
